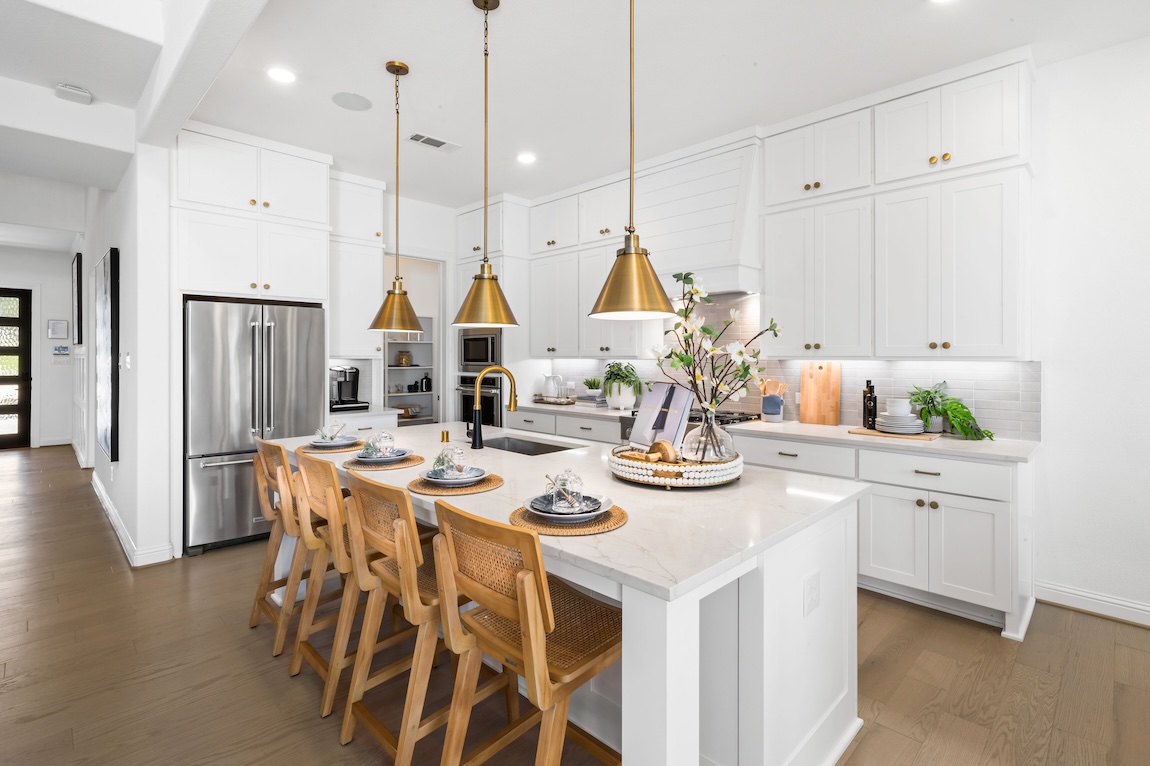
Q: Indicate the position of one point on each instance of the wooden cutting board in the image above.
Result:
(820, 386)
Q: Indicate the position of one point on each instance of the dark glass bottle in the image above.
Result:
(425, 383)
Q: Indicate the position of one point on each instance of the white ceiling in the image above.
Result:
(559, 74)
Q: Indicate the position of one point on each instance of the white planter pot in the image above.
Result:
(619, 397)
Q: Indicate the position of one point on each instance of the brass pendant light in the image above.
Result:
(485, 304)
(632, 291)
(396, 312)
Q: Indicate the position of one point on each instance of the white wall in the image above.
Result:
(1091, 261)
(41, 202)
(48, 275)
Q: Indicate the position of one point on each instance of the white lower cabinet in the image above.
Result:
(530, 421)
(595, 429)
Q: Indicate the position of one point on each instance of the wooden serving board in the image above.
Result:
(872, 432)
(821, 386)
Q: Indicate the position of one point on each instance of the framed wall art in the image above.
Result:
(78, 300)
(108, 353)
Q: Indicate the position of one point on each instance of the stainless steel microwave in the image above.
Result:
(479, 348)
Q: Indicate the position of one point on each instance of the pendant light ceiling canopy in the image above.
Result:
(396, 313)
(632, 290)
(485, 304)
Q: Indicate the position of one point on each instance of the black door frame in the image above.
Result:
(23, 380)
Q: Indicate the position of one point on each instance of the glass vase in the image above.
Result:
(709, 443)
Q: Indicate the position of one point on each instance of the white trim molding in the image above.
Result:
(137, 557)
(1097, 603)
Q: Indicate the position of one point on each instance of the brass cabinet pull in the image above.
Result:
(254, 285)
(267, 287)
(818, 346)
(806, 187)
(946, 344)
(476, 249)
(251, 202)
(920, 502)
(933, 160)
(807, 346)
(789, 454)
(933, 344)
(818, 184)
(364, 428)
(946, 157)
(928, 473)
(934, 504)
(379, 234)
(267, 204)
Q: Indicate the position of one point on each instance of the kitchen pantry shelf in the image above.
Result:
(423, 352)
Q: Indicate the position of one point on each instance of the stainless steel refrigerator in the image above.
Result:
(250, 369)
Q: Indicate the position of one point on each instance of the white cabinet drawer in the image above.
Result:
(530, 421)
(959, 477)
(361, 426)
(586, 428)
(797, 456)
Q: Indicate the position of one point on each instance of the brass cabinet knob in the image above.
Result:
(818, 184)
(806, 187)
(605, 231)
(920, 502)
(933, 160)
(818, 346)
(946, 344)
(267, 204)
(934, 504)
(379, 348)
(476, 249)
(807, 346)
(267, 287)
(379, 234)
(254, 285)
(933, 344)
(550, 242)
(946, 157)
(251, 202)
(606, 348)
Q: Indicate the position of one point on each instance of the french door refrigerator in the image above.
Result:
(250, 369)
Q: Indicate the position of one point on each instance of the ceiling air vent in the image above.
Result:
(433, 143)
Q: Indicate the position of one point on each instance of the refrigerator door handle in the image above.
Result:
(270, 366)
(255, 424)
(204, 464)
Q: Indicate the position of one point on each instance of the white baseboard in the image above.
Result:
(137, 557)
(1088, 601)
(55, 441)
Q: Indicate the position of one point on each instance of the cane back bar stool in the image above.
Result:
(273, 473)
(320, 499)
(381, 518)
(541, 627)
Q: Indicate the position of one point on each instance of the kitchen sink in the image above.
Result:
(525, 446)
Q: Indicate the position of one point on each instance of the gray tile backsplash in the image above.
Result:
(1004, 396)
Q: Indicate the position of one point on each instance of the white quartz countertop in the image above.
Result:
(673, 540)
(1006, 450)
(579, 409)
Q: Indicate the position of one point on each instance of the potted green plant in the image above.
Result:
(594, 386)
(935, 406)
(621, 384)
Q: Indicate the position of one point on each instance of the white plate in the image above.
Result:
(897, 417)
(464, 481)
(339, 441)
(893, 430)
(605, 504)
(394, 457)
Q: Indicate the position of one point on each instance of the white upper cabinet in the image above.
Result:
(554, 330)
(603, 213)
(946, 269)
(555, 225)
(469, 231)
(356, 295)
(818, 280)
(824, 158)
(356, 211)
(963, 123)
(293, 262)
(230, 174)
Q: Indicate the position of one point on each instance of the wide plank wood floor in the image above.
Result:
(103, 664)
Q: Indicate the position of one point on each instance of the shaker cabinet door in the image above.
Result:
(356, 211)
(842, 278)
(217, 253)
(292, 187)
(980, 119)
(215, 171)
(293, 262)
(842, 159)
(789, 165)
(970, 549)
(893, 536)
(907, 134)
(788, 298)
(907, 265)
(356, 295)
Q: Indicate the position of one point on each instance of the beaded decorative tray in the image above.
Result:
(678, 474)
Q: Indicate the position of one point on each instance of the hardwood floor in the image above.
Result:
(103, 664)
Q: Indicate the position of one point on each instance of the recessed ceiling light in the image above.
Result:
(352, 101)
(279, 74)
(940, 2)
(526, 158)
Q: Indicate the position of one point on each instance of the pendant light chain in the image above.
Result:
(631, 206)
(486, 55)
(397, 176)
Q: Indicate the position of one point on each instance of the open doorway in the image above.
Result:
(15, 368)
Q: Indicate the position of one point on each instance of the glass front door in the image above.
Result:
(15, 367)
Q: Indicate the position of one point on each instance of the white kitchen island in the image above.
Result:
(738, 603)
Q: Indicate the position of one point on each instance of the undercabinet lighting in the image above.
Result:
(279, 74)
(526, 158)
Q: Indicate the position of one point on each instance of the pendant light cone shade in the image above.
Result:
(485, 304)
(632, 291)
(396, 313)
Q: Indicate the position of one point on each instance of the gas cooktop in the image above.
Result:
(723, 418)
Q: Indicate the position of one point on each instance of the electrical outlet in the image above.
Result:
(798, 398)
(810, 594)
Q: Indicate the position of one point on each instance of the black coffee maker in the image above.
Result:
(343, 386)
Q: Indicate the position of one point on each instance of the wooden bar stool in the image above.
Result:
(319, 499)
(381, 518)
(273, 473)
(547, 631)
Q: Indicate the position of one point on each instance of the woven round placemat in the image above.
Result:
(486, 484)
(331, 450)
(612, 519)
(357, 465)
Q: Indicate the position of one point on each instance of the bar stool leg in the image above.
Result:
(426, 645)
(551, 734)
(377, 602)
(348, 606)
(462, 699)
(291, 592)
(511, 694)
(310, 604)
(267, 570)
